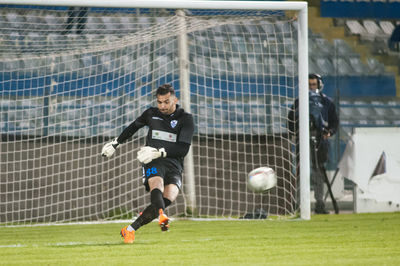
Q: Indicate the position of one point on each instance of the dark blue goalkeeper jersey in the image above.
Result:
(172, 132)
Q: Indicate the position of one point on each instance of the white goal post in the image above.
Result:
(64, 91)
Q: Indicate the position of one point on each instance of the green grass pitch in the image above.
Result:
(345, 239)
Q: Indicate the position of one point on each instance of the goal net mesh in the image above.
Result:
(73, 78)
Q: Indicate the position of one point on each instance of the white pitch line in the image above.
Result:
(13, 246)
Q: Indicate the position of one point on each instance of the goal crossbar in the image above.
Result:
(175, 4)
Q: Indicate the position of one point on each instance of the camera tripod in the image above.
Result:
(314, 149)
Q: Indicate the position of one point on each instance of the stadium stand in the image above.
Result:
(333, 58)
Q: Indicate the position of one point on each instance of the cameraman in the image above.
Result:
(323, 124)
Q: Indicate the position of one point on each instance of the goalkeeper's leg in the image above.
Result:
(148, 215)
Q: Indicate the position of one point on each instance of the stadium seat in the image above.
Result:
(68, 63)
(94, 25)
(165, 64)
(325, 66)
(34, 19)
(283, 29)
(268, 28)
(34, 40)
(238, 44)
(15, 20)
(355, 27)
(289, 45)
(221, 43)
(54, 22)
(55, 40)
(200, 45)
(200, 66)
(312, 66)
(218, 66)
(375, 67)
(255, 46)
(237, 65)
(144, 22)
(324, 47)
(129, 24)
(290, 65)
(89, 64)
(387, 27)
(342, 48)
(3, 21)
(13, 40)
(112, 24)
(254, 65)
(357, 65)
(372, 28)
(342, 67)
(272, 65)
(251, 28)
(313, 49)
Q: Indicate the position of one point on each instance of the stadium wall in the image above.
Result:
(110, 85)
(360, 9)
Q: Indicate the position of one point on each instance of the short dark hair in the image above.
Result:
(165, 89)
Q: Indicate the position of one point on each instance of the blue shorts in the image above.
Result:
(169, 169)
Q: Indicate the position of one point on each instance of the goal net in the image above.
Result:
(72, 78)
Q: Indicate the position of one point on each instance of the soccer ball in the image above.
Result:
(261, 179)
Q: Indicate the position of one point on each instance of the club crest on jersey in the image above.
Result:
(173, 123)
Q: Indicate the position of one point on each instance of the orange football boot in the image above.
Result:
(163, 221)
(129, 237)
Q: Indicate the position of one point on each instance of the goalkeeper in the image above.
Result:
(167, 143)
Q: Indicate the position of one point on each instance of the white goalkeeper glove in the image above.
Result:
(147, 154)
(109, 148)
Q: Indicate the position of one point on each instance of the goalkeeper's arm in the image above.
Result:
(110, 147)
